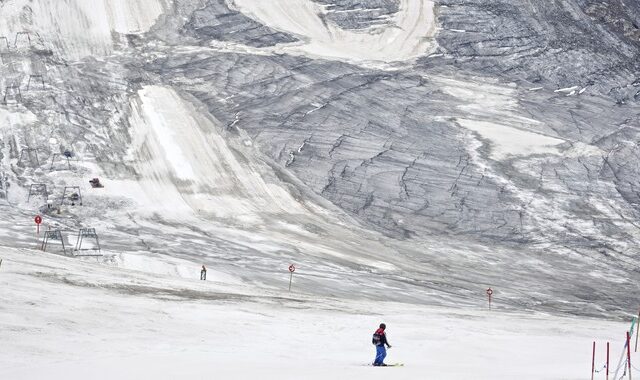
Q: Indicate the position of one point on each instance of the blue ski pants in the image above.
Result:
(381, 353)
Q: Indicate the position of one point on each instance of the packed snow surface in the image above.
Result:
(67, 318)
(408, 35)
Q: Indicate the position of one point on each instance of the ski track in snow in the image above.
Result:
(409, 34)
(102, 322)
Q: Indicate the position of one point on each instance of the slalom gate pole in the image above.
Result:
(615, 375)
(637, 332)
(629, 354)
(593, 360)
(607, 368)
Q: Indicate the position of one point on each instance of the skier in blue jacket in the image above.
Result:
(380, 340)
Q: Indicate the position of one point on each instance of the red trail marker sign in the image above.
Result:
(489, 294)
(38, 220)
(292, 268)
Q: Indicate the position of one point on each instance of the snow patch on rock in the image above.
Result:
(409, 34)
(509, 141)
(78, 28)
(188, 168)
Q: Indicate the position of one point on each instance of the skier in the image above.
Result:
(203, 273)
(380, 340)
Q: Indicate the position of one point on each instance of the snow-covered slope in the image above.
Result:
(63, 318)
(186, 167)
(404, 155)
(329, 162)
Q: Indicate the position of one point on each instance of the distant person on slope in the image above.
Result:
(380, 340)
(203, 273)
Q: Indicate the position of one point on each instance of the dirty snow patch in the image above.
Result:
(509, 141)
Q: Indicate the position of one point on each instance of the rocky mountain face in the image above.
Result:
(387, 145)
(511, 124)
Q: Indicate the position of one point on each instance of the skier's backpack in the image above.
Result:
(377, 338)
